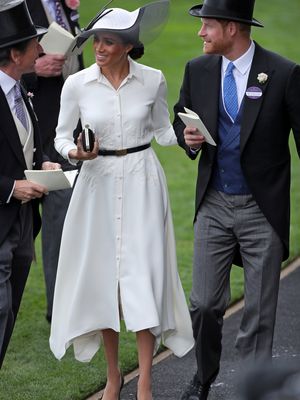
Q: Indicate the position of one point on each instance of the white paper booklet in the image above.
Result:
(190, 118)
(57, 40)
(54, 179)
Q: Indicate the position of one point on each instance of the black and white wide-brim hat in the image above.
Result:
(141, 25)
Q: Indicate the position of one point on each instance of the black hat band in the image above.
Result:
(28, 33)
(238, 14)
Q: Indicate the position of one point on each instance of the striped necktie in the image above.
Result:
(230, 92)
(59, 14)
(19, 105)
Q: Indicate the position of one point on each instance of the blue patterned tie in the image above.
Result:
(20, 111)
(59, 15)
(230, 92)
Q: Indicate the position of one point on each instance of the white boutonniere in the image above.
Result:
(30, 96)
(262, 78)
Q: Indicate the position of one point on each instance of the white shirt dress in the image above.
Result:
(118, 252)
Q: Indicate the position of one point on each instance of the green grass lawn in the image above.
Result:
(30, 371)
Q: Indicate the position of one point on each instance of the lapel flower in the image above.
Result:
(30, 96)
(262, 78)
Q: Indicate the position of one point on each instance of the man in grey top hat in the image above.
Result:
(248, 98)
(20, 149)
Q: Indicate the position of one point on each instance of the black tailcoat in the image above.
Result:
(12, 166)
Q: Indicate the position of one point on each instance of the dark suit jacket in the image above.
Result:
(47, 91)
(12, 166)
(265, 129)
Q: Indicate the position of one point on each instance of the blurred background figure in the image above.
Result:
(272, 382)
(46, 83)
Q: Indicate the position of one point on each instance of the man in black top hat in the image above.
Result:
(248, 98)
(20, 149)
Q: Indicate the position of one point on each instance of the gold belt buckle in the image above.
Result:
(122, 152)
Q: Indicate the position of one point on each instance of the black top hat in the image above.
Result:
(17, 26)
(232, 10)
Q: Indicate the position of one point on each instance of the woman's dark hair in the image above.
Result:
(137, 51)
(5, 52)
(133, 38)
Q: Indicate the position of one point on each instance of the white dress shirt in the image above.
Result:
(7, 84)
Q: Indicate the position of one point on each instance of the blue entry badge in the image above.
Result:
(254, 92)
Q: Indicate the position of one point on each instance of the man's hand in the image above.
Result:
(193, 137)
(26, 190)
(47, 165)
(80, 154)
(49, 65)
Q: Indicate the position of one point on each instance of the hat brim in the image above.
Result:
(101, 26)
(40, 31)
(197, 11)
(142, 25)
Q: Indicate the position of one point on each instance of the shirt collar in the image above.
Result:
(243, 63)
(135, 71)
(6, 82)
(94, 72)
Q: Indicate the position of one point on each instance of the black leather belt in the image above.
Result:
(123, 152)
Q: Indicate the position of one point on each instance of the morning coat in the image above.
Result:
(265, 128)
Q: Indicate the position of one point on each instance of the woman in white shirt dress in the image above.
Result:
(118, 256)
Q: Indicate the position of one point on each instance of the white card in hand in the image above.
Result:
(190, 118)
(54, 179)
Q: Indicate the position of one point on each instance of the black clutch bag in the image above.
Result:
(88, 139)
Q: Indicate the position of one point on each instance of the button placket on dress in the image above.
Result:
(119, 183)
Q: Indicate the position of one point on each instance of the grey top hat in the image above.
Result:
(16, 23)
(232, 10)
